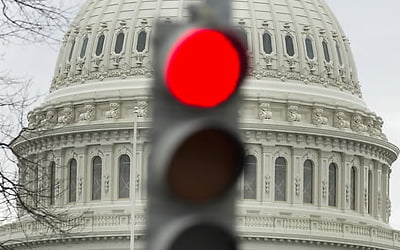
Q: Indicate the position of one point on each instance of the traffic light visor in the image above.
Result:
(205, 165)
(204, 67)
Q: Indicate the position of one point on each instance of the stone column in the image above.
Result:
(345, 181)
(81, 175)
(323, 178)
(268, 173)
(296, 189)
(363, 201)
(107, 166)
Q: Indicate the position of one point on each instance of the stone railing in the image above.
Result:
(248, 227)
(256, 227)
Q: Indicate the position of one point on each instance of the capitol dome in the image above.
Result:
(318, 163)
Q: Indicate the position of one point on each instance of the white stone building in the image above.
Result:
(318, 163)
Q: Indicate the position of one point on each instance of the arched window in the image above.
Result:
(71, 52)
(100, 45)
(141, 41)
(370, 192)
(332, 185)
(326, 51)
(243, 37)
(308, 180)
(84, 47)
(250, 178)
(353, 179)
(124, 176)
(280, 179)
(72, 180)
(96, 178)
(119, 42)
(52, 182)
(267, 43)
(339, 54)
(289, 45)
(309, 48)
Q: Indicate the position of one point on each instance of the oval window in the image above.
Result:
(141, 41)
(326, 51)
(71, 51)
(119, 43)
(309, 48)
(84, 47)
(289, 45)
(267, 43)
(100, 44)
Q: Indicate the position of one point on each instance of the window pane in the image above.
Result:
(96, 181)
(339, 54)
(72, 180)
(71, 51)
(309, 48)
(353, 188)
(289, 45)
(84, 47)
(326, 51)
(141, 41)
(308, 179)
(280, 179)
(250, 175)
(332, 185)
(124, 176)
(100, 44)
(52, 182)
(119, 43)
(370, 192)
(267, 43)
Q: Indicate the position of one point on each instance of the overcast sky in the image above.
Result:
(371, 26)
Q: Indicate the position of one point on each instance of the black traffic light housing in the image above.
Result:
(197, 155)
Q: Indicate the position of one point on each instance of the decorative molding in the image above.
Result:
(318, 118)
(114, 112)
(264, 112)
(293, 114)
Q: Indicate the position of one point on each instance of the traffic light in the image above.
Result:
(197, 155)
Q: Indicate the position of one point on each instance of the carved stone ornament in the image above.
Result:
(267, 184)
(340, 120)
(357, 124)
(324, 188)
(66, 117)
(293, 114)
(141, 109)
(80, 185)
(388, 211)
(89, 113)
(318, 118)
(297, 183)
(114, 111)
(106, 183)
(264, 112)
(347, 193)
(51, 119)
(32, 122)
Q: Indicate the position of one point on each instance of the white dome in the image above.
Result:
(297, 42)
(302, 111)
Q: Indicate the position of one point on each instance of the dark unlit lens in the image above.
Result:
(204, 237)
(205, 165)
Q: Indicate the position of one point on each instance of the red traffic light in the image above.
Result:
(204, 67)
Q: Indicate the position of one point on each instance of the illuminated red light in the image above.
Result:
(203, 68)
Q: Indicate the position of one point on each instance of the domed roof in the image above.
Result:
(288, 41)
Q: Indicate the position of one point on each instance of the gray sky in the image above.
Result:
(371, 26)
